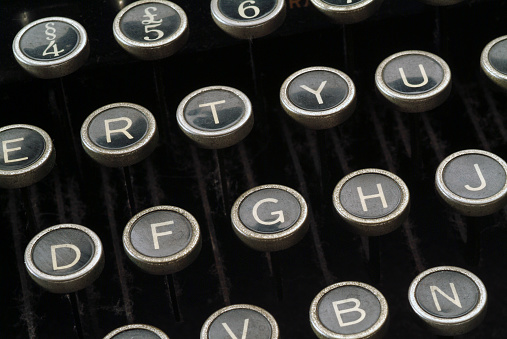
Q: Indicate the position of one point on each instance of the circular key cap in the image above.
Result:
(247, 19)
(162, 239)
(414, 81)
(441, 2)
(140, 331)
(270, 217)
(473, 182)
(347, 11)
(318, 97)
(349, 310)
(372, 201)
(51, 47)
(64, 258)
(216, 116)
(494, 61)
(450, 300)
(151, 29)
(120, 134)
(27, 155)
(240, 321)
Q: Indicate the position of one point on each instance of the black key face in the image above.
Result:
(447, 294)
(342, 2)
(137, 333)
(20, 147)
(150, 22)
(413, 74)
(317, 90)
(161, 234)
(242, 10)
(349, 310)
(63, 252)
(118, 127)
(214, 110)
(49, 40)
(474, 176)
(498, 56)
(237, 323)
(269, 211)
(370, 196)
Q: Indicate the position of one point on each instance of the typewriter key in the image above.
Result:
(351, 310)
(318, 97)
(240, 321)
(162, 239)
(64, 258)
(26, 157)
(140, 331)
(247, 19)
(494, 61)
(414, 81)
(151, 29)
(120, 134)
(347, 11)
(450, 300)
(474, 182)
(215, 117)
(372, 201)
(270, 217)
(51, 47)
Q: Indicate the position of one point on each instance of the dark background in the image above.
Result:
(277, 151)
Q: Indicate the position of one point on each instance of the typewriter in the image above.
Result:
(278, 150)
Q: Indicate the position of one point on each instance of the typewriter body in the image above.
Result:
(277, 151)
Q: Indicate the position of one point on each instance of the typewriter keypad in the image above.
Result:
(494, 61)
(51, 47)
(27, 155)
(140, 331)
(318, 97)
(64, 258)
(151, 29)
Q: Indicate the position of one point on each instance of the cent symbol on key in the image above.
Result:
(151, 29)
(450, 300)
(162, 239)
(51, 47)
(318, 97)
(240, 321)
(474, 182)
(347, 11)
(247, 19)
(349, 310)
(26, 155)
(372, 201)
(270, 217)
(414, 81)
(215, 117)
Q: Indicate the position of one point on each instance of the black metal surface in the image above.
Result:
(277, 151)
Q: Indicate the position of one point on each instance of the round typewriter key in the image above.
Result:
(162, 239)
(27, 155)
(450, 300)
(414, 81)
(240, 321)
(216, 116)
(372, 201)
(136, 331)
(494, 61)
(474, 182)
(120, 134)
(51, 47)
(347, 11)
(64, 258)
(318, 97)
(349, 310)
(270, 217)
(247, 19)
(151, 29)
